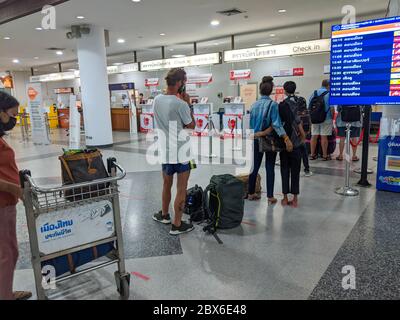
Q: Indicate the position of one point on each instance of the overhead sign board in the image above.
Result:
(197, 60)
(60, 76)
(290, 49)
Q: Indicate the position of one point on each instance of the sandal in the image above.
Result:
(339, 158)
(22, 295)
(355, 159)
(272, 201)
(313, 157)
(253, 197)
(326, 158)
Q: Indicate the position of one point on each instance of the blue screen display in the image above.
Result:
(365, 63)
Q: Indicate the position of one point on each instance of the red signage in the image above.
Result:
(240, 74)
(298, 72)
(152, 82)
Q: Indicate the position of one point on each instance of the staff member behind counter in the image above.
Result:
(10, 193)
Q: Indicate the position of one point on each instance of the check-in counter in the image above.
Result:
(120, 119)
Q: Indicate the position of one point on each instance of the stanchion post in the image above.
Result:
(210, 127)
(236, 148)
(347, 190)
(365, 149)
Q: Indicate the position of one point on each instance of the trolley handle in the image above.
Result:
(22, 177)
(25, 176)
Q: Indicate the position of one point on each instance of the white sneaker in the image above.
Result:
(308, 174)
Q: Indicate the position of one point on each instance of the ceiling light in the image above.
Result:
(15, 61)
(36, 58)
(80, 17)
(118, 64)
(171, 49)
(162, 34)
(263, 45)
(272, 35)
(55, 67)
(35, 69)
(216, 44)
(282, 11)
(7, 38)
(59, 53)
(39, 29)
(121, 40)
(136, 1)
(215, 23)
(178, 56)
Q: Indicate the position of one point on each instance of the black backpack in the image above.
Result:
(304, 114)
(350, 113)
(287, 112)
(317, 108)
(225, 205)
(194, 206)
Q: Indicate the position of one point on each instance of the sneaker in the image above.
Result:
(22, 295)
(308, 174)
(162, 219)
(184, 228)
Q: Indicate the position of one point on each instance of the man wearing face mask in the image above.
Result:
(10, 193)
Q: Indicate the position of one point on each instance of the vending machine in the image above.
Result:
(388, 178)
(233, 119)
(147, 117)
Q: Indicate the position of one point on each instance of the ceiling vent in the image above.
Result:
(231, 12)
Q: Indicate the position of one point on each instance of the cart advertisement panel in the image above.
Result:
(69, 228)
(201, 116)
(389, 164)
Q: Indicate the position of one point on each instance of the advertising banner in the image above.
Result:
(75, 226)
(201, 113)
(152, 82)
(74, 124)
(388, 178)
(146, 123)
(240, 74)
(199, 79)
(38, 121)
(6, 80)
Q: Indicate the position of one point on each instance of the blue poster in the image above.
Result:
(388, 178)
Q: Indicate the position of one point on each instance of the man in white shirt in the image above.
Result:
(172, 115)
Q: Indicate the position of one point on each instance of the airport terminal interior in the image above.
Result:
(88, 74)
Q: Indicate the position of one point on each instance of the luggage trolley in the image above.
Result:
(60, 228)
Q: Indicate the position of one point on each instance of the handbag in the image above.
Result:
(271, 142)
(80, 167)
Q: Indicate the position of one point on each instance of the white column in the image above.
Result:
(392, 111)
(91, 51)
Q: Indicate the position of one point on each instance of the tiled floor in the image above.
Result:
(277, 253)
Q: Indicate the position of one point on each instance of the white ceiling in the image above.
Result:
(183, 21)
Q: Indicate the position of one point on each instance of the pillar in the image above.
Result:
(92, 59)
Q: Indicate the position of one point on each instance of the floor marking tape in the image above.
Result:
(141, 276)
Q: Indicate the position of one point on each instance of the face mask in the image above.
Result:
(9, 125)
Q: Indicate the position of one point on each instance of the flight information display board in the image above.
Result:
(365, 63)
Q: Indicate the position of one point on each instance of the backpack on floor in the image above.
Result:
(225, 204)
(194, 206)
(317, 108)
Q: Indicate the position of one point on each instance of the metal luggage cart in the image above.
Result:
(68, 219)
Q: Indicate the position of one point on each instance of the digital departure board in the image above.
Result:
(365, 63)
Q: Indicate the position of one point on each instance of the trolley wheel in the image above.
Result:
(123, 284)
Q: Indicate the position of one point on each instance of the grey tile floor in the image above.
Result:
(277, 253)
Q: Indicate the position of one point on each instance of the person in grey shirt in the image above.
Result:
(172, 116)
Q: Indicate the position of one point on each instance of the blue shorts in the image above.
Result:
(171, 169)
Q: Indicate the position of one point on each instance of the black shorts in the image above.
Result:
(355, 132)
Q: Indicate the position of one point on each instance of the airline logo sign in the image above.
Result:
(199, 78)
(152, 82)
(198, 60)
(240, 74)
(291, 49)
